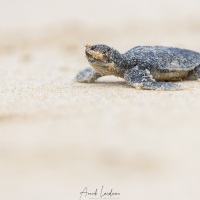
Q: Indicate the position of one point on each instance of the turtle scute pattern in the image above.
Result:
(163, 57)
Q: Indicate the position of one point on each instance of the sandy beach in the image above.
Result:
(58, 136)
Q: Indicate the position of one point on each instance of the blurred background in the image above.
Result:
(58, 137)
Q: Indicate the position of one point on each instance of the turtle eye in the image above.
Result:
(108, 49)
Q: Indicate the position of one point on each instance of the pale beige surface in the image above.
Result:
(57, 137)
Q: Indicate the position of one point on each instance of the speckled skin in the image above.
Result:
(142, 67)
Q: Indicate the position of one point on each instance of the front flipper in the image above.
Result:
(87, 75)
(141, 79)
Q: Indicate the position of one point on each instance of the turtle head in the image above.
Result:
(104, 59)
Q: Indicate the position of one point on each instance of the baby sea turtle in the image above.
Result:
(142, 67)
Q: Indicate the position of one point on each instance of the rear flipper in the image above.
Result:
(194, 74)
(141, 79)
(87, 75)
(197, 72)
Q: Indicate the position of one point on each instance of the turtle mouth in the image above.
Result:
(94, 56)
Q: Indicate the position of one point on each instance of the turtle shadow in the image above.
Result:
(110, 83)
(103, 84)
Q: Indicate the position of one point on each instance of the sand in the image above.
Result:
(58, 137)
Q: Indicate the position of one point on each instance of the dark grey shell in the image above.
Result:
(161, 57)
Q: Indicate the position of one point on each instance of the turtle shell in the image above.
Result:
(161, 57)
